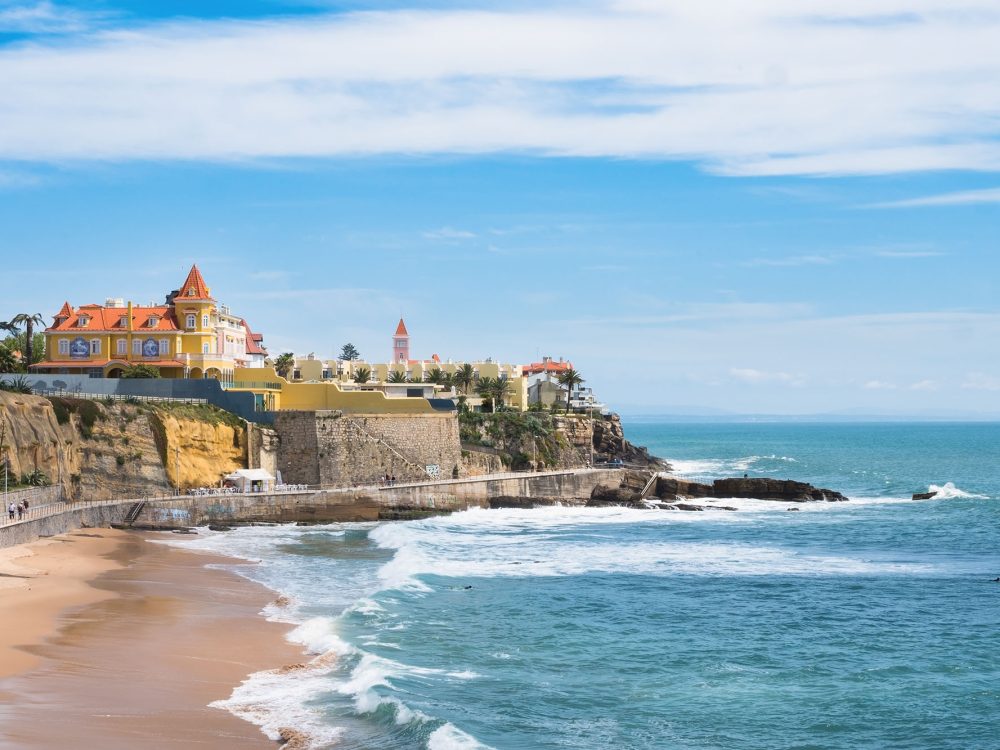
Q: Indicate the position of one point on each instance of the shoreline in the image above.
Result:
(131, 641)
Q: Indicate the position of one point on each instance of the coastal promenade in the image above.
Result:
(311, 505)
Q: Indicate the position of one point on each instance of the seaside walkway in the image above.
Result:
(47, 518)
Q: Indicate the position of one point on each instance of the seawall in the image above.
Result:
(322, 506)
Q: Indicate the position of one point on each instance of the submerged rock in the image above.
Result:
(924, 495)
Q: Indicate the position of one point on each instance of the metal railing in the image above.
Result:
(124, 397)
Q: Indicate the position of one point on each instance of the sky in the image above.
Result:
(773, 207)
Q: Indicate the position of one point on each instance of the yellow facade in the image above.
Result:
(279, 394)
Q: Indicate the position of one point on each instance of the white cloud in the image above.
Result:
(793, 261)
(758, 377)
(961, 198)
(42, 18)
(843, 88)
(879, 385)
(924, 385)
(981, 381)
(449, 233)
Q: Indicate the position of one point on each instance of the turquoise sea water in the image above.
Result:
(868, 624)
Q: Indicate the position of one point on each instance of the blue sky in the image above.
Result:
(702, 205)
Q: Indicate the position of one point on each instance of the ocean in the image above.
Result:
(866, 624)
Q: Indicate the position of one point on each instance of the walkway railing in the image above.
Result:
(121, 397)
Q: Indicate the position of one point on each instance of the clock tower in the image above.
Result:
(401, 344)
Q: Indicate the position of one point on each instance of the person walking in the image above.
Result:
(20, 511)
(10, 511)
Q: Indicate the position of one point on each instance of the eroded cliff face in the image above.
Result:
(98, 450)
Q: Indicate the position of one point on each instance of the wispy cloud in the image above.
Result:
(43, 17)
(960, 198)
(793, 261)
(759, 377)
(909, 253)
(879, 385)
(449, 233)
(981, 381)
(777, 93)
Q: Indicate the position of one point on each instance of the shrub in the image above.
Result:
(17, 385)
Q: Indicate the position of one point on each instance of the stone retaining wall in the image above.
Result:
(331, 448)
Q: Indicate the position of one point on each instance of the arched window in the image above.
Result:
(191, 320)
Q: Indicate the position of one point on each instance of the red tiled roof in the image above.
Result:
(401, 329)
(110, 319)
(194, 281)
(536, 367)
(65, 311)
(253, 340)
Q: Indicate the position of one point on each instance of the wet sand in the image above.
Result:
(124, 643)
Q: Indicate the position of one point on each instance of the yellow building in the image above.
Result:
(189, 336)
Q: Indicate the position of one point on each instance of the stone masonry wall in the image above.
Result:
(331, 448)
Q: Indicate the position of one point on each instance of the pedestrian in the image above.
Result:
(10, 511)
(20, 512)
(26, 505)
(393, 480)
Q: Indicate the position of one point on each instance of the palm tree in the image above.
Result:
(448, 380)
(29, 321)
(361, 375)
(569, 378)
(500, 391)
(435, 376)
(486, 390)
(465, 376)
(284, 363)
(397, 376)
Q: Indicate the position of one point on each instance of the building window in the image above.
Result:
(95, 346)
(136, 347)
(63, 346)
(153, 321)
(204, 348)
(123, 321)
(122, 346)
(204, 321)
(83, 321)
(190, 291)
(191, 318)
(164, 346)
(296, 374)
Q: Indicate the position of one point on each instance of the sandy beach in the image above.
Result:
(111, 641)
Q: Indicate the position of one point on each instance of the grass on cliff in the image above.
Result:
(88, 411)
(197, 413)
(517, 436)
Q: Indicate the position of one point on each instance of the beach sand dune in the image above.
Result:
(110, 641)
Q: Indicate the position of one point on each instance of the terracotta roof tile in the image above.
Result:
(194, 287)
(401, 329)
(110, 319)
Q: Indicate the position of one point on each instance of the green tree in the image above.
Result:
(434, 376)
(361, 375)
(465, 376)
(569, 379)
(8, 362)
(397, 376)
(284, 363)
(486, 390)
(28, 321)
(500, 391)
(140, 371)
(349, 353)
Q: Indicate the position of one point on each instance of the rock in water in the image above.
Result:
(924, 495)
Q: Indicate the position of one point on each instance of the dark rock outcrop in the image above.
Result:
(610, 445)
(760, 488)
(924, 495)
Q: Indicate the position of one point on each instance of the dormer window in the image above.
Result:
(190, 291)
(83, 322)
(123, 321)
(153, 321)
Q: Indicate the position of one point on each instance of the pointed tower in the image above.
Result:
(194, 287)
(401, 344)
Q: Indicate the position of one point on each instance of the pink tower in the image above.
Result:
(401, 344)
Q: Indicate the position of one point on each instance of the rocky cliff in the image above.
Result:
(99, 450)
(542, 440)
